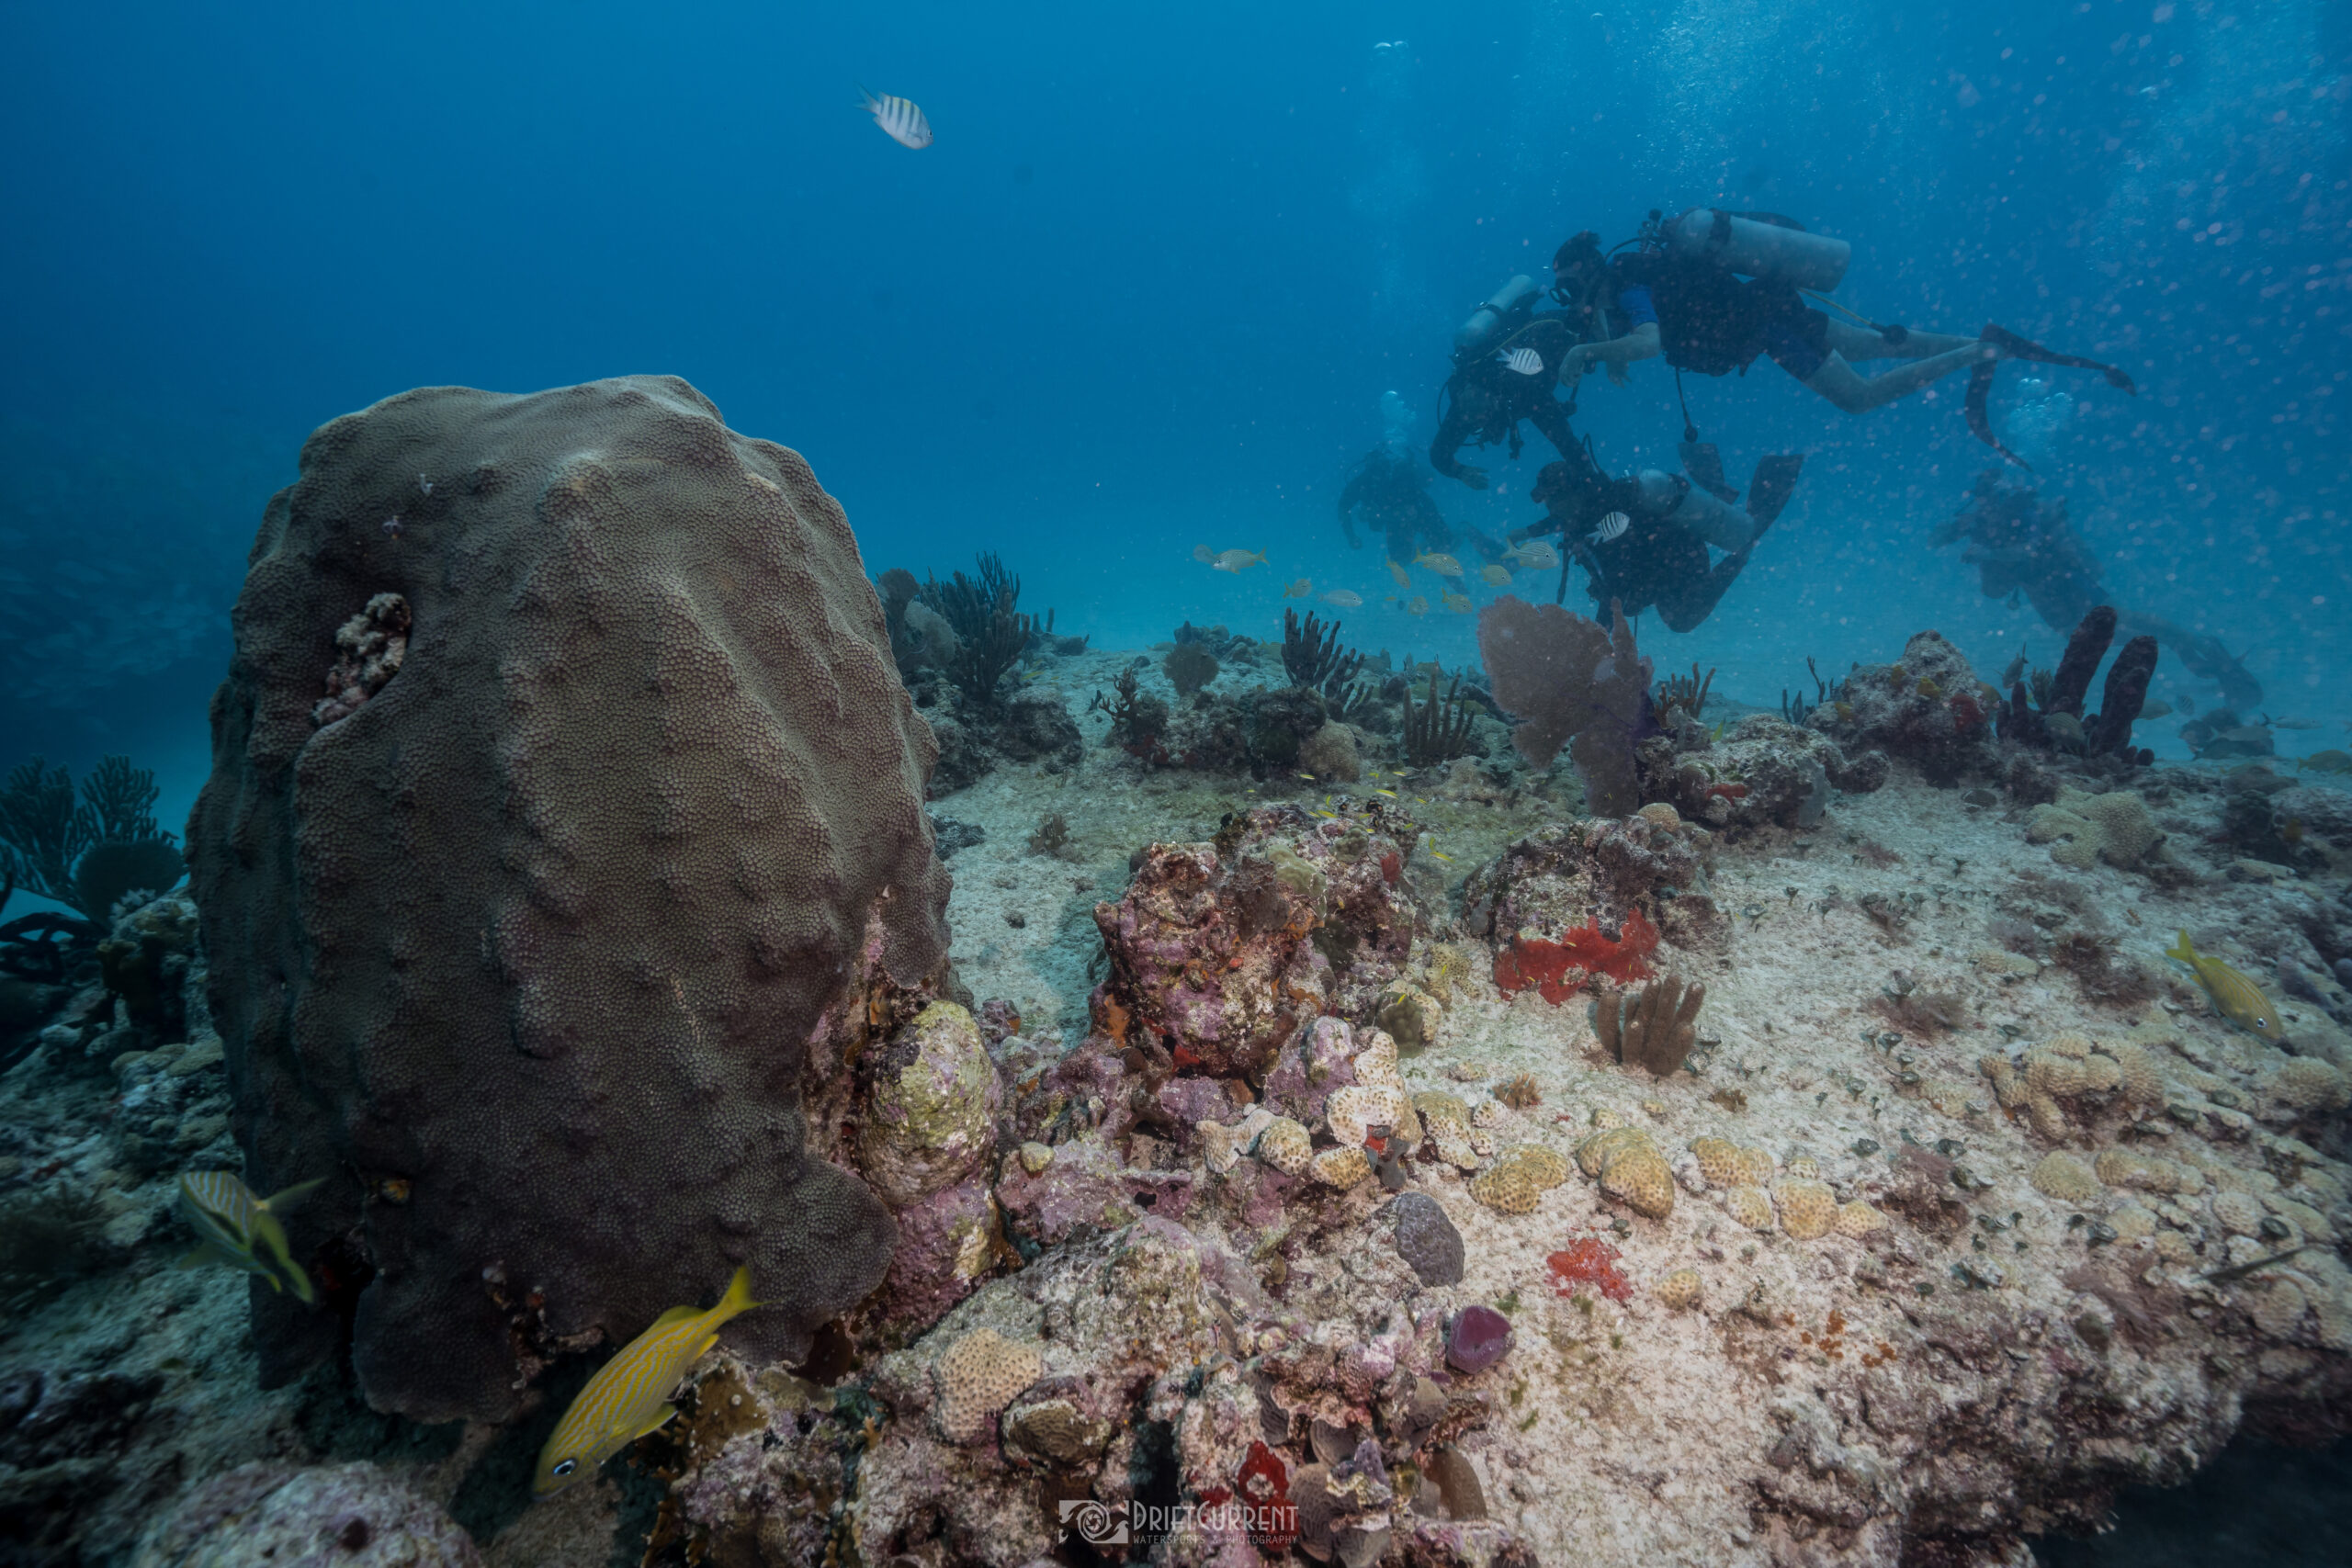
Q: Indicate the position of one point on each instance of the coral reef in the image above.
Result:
(1759, 772)
(639, 823)
(90, 855)
(1591, 897)
(1927, 708)
(2050, 712)
(1312, 656)
(350, 1516)
(1189, 667)
(1571, 683)
(1221, 949)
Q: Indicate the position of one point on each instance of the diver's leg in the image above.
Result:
(1856, 393)
(1853, 343)
(1692, 601)
(1725, 527)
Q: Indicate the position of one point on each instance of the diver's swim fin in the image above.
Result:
(1775, 481)
(1705, 467)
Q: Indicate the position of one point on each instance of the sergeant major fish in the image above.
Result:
(1611, 526)
(2236, 998)
(234, 1227)
(1526, 361)
(901, 120)
(629, 1395)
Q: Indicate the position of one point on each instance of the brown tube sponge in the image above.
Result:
(524, 954)
(1654, 1027)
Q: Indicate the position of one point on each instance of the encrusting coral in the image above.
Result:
(639, 823)
(2084, 829)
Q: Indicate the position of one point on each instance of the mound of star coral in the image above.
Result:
(526, 955)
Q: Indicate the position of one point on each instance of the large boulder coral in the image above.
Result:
(1223, 949)
(1595, 896)
(523, 956)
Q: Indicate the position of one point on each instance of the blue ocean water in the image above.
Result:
(1147, 289)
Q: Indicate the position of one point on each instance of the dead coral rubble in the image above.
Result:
(1222, 949)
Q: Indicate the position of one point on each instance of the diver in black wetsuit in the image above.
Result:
(1507, 364)
(1390, 494)
(1644, 539)
(2020, 543)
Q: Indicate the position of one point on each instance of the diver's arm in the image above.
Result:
(1348, 498)
(1451, 434)
(1616, 354)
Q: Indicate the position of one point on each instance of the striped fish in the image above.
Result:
(629, 1395)
(901, 120)
(1526, 361)
(234, 1227)
(2238, 998)
(1616, 524)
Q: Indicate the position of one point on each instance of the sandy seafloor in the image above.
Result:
(1628, 1429)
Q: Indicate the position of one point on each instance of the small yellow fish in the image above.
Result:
(1238, 560)
(1536, 556)
(1416, 606)
(1300, 589)
(1343, 599)
(234, 1227)
(1404, 579)
(1440, 854)
(2328, 762)
(629, 1395)
(2238, 998)
(1329, 815)
(1308, 777)
(1498, 575)
(1389, 793)
(1457, 604)
(1443, 565)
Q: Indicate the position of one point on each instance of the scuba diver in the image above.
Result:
(1711, 291)
(2021, 543)
(1643, 539)
(1390, 492)
(1506, 361)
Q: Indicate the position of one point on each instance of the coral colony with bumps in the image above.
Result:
(1338, 1112)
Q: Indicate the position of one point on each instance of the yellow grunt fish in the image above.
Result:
(1343, 599)
(1404, 579)
(1300, 589)
(2328, 762)
(1457, 604)
(1443, 565)
(234, 1227)
(629, 1395)
(1498, 575)
(1234, 561)
(2238, 998)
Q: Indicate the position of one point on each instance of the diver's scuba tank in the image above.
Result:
(1487, 322)
(1778, 252)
